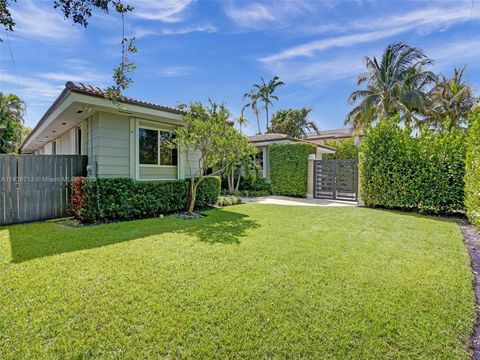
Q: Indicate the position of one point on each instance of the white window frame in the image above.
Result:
(157, 127)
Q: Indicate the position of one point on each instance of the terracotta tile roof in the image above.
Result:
(98, 92)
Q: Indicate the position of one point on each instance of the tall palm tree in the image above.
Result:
(254, 97)
(395, 84)
(12, 109)
(451, 100)
(242, 120)
(266, 90)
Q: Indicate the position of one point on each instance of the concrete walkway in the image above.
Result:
(284, 200)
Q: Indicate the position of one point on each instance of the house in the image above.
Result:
(322, 137)
(120, 140)
(263, 141)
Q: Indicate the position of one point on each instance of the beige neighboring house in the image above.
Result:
(263, 141)
(336, 134)
(124, 140)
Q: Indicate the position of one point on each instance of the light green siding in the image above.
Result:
(110, 142)
(158, 172)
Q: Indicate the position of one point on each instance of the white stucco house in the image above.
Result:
(263, 141)
(125, 140)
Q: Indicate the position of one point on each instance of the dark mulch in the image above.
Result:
(472, 241)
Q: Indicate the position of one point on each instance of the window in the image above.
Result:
(259, 161)
(54, 147)
(79, 140)
(153, 149)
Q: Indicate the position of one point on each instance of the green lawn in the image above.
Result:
(249, 281)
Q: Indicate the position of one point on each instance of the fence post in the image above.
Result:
(310, 176)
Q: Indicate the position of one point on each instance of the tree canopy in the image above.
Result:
(293, 122)
(12, 128)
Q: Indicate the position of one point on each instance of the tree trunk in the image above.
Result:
(231, 181)
(238, 181)
(193, 195)
(258, 124)
(266, 111)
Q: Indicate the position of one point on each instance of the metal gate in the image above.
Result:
(335, 179)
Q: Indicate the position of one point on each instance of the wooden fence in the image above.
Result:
(36, 187)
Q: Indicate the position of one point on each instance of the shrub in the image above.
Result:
(228, 200)
(289, 168)
(346, 150)
(424, 173)
(472, 176)
(77, 196)
(255, 183)
(125, 199)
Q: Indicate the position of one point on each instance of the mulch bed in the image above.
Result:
(472, 241)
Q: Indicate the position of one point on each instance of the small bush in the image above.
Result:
(424, 173)
(228, 200)
(472, 176)
(125, 199)
(77, 196)
(289, 168)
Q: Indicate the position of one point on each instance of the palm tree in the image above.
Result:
(293, 122)
(242, 120)
(12, 109)
(254, 97)
(451, 100)
(266, 90)
(394, 85)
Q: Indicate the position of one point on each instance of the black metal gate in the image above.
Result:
(335, 179)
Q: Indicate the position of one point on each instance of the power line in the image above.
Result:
(13, 60)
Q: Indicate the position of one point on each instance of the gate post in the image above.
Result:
(310, 176)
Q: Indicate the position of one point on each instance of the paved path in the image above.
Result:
(283, 200)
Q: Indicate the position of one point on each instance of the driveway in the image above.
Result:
(284, 200)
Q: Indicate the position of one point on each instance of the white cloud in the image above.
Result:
(424, 20)
(169, 11)
(143, 32)
(42, 23)
(174, 71)
(266, 13)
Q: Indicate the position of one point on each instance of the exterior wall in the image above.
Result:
(109, 145)
(66, 143)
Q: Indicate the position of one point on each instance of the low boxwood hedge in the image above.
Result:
(289, 168)
(472, 176)
(111, 199)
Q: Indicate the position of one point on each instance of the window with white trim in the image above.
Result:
(152, 149)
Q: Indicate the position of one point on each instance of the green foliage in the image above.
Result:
(346, 150)
(472, 176)
(289, 168)
(228, 200)
(125, 199)
(423, 173)
(293, 122)
(12, 129)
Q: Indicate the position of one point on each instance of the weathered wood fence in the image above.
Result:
(36, 187)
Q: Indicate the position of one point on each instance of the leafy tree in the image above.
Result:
(265, 93)
(208, 132)
(346, 149)
(254, 96)
(242, 120)
(395, 84)
(451, 101)
(80, 11)
(293, 122)
(12, 129)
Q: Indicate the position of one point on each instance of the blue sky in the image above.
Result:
(194, 50)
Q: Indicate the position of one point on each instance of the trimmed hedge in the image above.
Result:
(289, 168)
(345, 150)
(125, 199)
(424, 173)
(472, 176)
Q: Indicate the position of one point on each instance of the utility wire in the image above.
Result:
(13, 60)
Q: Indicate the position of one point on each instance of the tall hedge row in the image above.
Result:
(425, 172)
(289, 168)
(99, 199)
(472, 177)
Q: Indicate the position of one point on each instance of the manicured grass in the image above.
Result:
(248, 281)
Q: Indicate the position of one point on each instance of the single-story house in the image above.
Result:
(263, 141)
(323, 136)
(120, 140)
